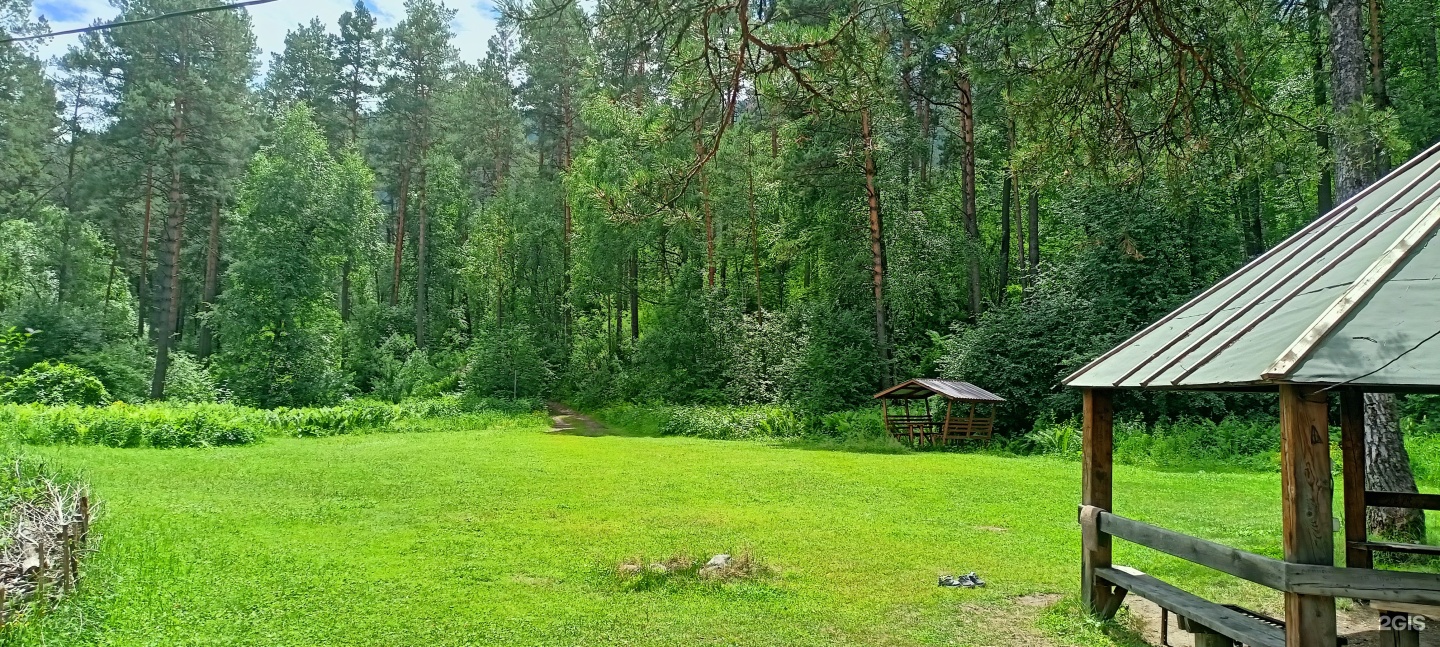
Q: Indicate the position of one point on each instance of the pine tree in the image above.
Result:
(358, 59)
(421, 60)
(183, 93)
(27, 117)
(308, 72)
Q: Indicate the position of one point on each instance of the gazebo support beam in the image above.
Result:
(1307, 490)
(1352, 445)
(1097, 459)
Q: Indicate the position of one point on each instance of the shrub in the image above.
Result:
(122, 425)
(58, 383)
(733, 423)
(188, 380)
(507, 363)
(124, 367)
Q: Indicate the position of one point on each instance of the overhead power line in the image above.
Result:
(137, 21)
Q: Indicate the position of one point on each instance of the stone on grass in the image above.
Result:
(719, 561)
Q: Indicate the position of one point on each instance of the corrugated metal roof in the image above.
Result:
(919, 388)
(1352, 298)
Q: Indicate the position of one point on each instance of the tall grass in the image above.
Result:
(203, 425)
(857, 430)
(1231, 444)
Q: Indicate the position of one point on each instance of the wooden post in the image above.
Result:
(65, 557)
(1306, 489)
(1095, 491)
(1352, 444)
(945, 429)
(926, 434)
(40, 583)
(84, 518)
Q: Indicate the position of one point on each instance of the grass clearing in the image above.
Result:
(509, 535)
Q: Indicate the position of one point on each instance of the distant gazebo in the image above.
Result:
(1349, 304)
(975, 420)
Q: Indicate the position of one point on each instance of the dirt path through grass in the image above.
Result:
(564, 420)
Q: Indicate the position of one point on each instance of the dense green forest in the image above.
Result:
(706, 202)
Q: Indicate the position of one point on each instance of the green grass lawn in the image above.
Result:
(512, 536)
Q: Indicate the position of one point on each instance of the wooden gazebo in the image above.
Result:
(1348, 305)
(974, 420)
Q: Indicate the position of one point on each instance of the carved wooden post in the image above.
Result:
(1095, 491)
(1307, 489)
(1352, 444)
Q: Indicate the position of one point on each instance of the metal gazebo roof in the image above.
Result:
(924, 388)
(1352, 298)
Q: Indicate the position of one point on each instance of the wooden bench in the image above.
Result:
(1203, 617)
(927, 430)
(909, 427)
(971, 428)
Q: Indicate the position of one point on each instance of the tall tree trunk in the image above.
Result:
(1378, 96)
(400, 232)
(422, 270)
(569, 226)
(709, 217)
(1007, 194)
(1325, 199)
(967, 173)
(877, 245)
(1430, 57)
(352, 101)
(167, 306)
(755, 237)
(212, 282)
(110, 282)
(1032, 208)
(634, 294)
(1347, 92)
(1019, 230)
(1388, 470)
(62, 272)
(142, 287)
(345, 270)
(1248, 200)
(1383, 443)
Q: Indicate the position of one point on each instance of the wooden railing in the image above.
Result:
(1306, 579)
(1375, 499)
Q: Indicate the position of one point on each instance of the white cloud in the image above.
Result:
(474, 21)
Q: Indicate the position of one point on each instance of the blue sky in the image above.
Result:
(474, 22)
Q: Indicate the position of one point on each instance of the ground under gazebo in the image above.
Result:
(1348, 305)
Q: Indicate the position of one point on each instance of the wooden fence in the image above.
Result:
(44, 571)
(1304, 579)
